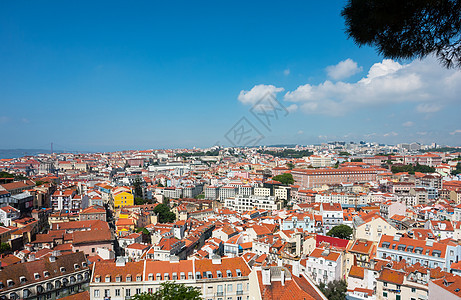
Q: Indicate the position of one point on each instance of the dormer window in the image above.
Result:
(22, 279)
(84, 264)
(158, 277)
(118, 278)
(76, 266)
(219, 274)
(10, 282)
(229, 273)
(46, 273)
(128, 278)
(107, 278)
(97, 278)
(138, 277)
(175, 276)
(182, 275)
(62, 269)
(190, 275)
(197, 275)
(36, 276)
(166, 276)
(151, 277)
(239, 273)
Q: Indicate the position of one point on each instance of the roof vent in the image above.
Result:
(216, 259)
(120, 262)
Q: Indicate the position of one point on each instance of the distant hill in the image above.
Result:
(14, 153)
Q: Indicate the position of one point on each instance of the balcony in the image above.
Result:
(239, 293)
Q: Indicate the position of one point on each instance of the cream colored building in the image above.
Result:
(373, 228)
(217, 278)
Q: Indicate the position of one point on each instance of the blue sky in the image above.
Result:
(113, 75)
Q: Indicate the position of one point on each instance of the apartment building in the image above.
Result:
(309, 178)
(324, 265)
(427, 252)
(242, 203)
(217, 278)
(51, 277)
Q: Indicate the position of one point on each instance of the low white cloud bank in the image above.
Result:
(425, 84)
(258, 93)
(343, 69)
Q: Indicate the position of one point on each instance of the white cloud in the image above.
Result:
(257, 93)
(300, 132)
(390, 134)
(455, 132)
(408, 124)
(428, 108)
(344, 69)
(286, 72)
(424, 83)
(292, 108)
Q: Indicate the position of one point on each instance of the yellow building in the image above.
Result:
(123, 198)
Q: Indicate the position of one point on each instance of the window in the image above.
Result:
(385, 294)
(413, 290)
(151, 277)
(138, 278)
(229, 288)
(107, 278)
(128, 293)
(220, 290)
(385, 284)
(118, 278)
(138, 291)
(239, 289)
(117, 292)
(128, 278)
(96, 293)
(106, 293)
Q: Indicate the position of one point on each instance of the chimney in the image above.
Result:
(296, 268)
(31, 257)
(266, 275)
(282, 276)
(56, 253)
(120, 262)
(216, 259)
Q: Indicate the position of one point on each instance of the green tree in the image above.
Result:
(344, 153)
(4, 174)
(137, 184)
(4, 247)
(407, 29)
(334, 290)
(290, 166)
(341, 231)
(457, 170)
(285, 178)
(140, 201)
(143, 230)
(164, 214)
(423, 168)
(171, 291)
